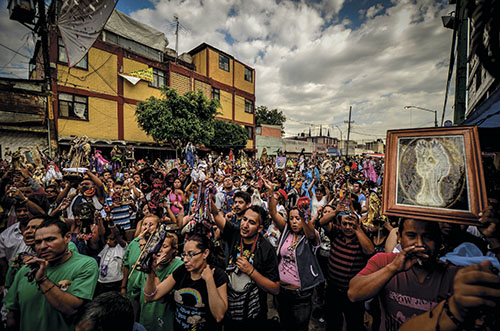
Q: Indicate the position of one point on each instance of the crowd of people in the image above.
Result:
(210, 243)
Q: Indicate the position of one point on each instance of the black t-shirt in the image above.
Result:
(192, 310)
(246, 300)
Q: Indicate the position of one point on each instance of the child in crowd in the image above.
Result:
(111, 259)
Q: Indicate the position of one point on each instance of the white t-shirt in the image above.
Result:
(113, 258)
(316, 204)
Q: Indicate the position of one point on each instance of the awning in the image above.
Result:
(487, 115)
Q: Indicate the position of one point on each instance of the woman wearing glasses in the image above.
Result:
(200, 292)
(298, 267)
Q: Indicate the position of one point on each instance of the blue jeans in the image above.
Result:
(294, 309)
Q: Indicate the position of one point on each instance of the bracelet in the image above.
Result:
(450, 315)
(150, 295)
(122, 287)
(40, 281)
(251, 272)
(48, 290)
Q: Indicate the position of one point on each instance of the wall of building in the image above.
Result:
(179, 82)
(270, 131)
(272, 145)
(104, 62)
(226, 102)
(239, 78)
(131, 130)
(205, 88)
(239, 111)
(200, 62)
(214, 72)
(102, 123)
(291, 146)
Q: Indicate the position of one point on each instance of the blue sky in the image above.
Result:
(313, 58)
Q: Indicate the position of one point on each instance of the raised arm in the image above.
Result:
(278, 219)
(365, 242)
(310, 232)
(219, 218)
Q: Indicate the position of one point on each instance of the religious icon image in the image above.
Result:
(432, 172)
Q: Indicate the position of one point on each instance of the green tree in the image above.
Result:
(271, 117)
(178, 119)
(228, 135)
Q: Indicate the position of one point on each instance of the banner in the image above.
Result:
(145, 74)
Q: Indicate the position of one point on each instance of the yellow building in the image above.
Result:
(97, 98)
(230, 81)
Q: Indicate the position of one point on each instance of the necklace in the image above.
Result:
(296, 239)
(248, 254)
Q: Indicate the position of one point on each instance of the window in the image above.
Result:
(249, 132)
(73, 106)
(215, 93)
(159, 78)
(248, 106)
(61, 57)
(248, 75)
(223, 62)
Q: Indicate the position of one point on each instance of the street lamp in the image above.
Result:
(428, 110)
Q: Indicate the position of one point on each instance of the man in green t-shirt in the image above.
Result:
(61, 283)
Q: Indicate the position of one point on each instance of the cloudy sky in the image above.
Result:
(313, 59)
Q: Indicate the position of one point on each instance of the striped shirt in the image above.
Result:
(346, 259)
(121, 216)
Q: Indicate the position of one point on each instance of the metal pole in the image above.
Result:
(176, 38)
(348, 133)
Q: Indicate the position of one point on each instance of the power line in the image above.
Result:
(10, 49)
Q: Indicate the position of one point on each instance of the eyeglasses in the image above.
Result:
(190, 255)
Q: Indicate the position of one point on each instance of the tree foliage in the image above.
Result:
(178, 119)
(271, 117)
(228, 135)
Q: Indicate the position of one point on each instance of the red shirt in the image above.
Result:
(403, 297)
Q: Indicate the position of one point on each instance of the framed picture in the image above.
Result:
(434, 174)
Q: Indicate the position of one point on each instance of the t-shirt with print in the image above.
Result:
(110, 266)
(130, 257)
(403, 297)
(157, 315)
(192, 310)
(246, 300)
(77, 276)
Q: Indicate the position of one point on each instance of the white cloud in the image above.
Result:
(374, 10)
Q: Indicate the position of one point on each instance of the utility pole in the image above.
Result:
(41, 29)
(348, 132)
(176, 37)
